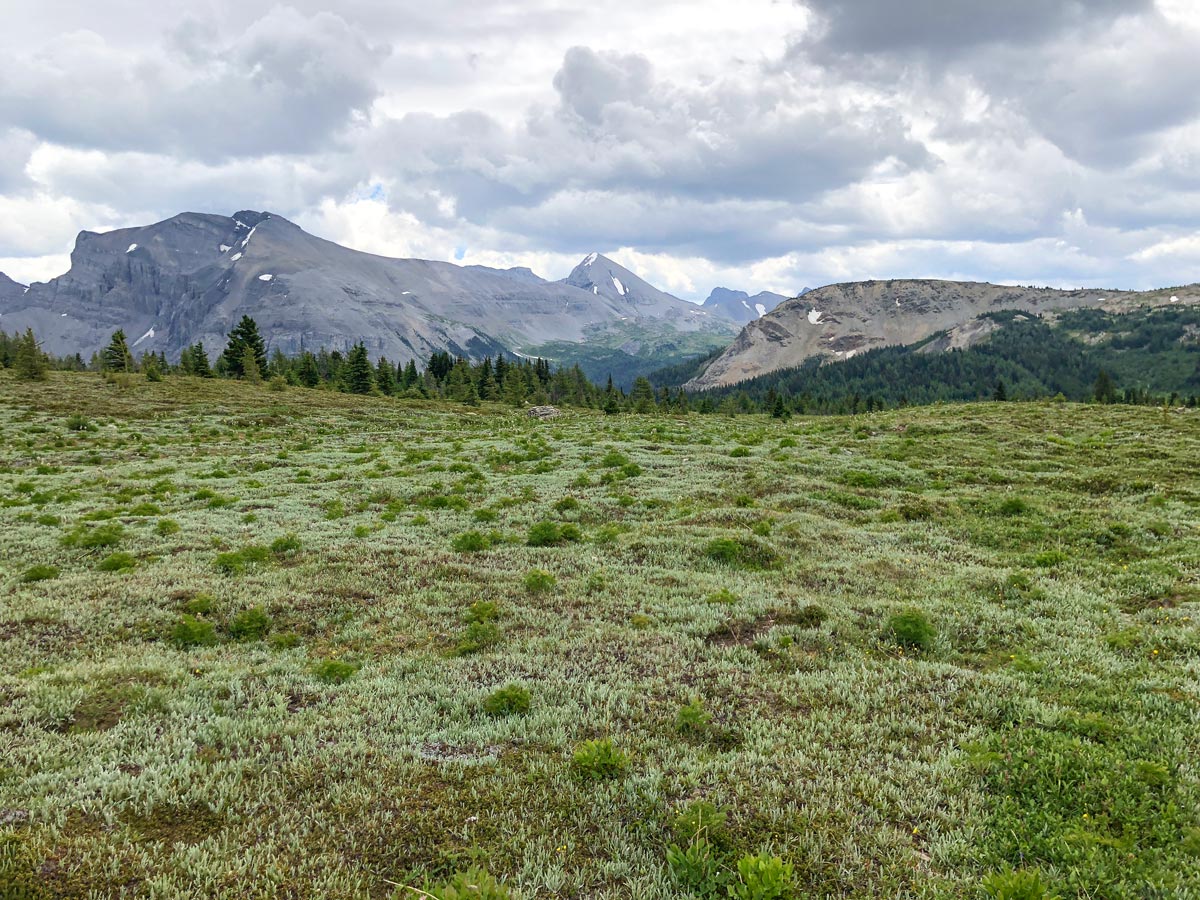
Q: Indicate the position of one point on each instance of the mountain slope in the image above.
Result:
(190, 278)
(10, 291)
(843, 320)
(740, 307)
(1149, 354)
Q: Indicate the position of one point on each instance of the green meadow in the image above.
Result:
(265, 643)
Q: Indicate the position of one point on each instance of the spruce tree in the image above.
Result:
(116, 356)
(513, 386)
(309, 374)
(249, 365)
(1000, 394)
(244, 336)
(642, 395)
(1104, 391)
(385, 377)
(199, 361)
(488, 389)
(29, 362)
(410, 375)
(150, 367)
(359, 378)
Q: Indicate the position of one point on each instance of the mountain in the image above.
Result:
(10, 291)
(1148, 354)
(740, 307)
(843, 320)
(192, 277)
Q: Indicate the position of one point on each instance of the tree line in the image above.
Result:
(512, 380)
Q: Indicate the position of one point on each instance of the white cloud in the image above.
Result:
(760, 145)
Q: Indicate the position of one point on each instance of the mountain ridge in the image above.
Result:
(841, 320)
(191, 277)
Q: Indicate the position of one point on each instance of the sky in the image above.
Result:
(757, 145)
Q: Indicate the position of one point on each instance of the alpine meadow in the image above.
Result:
(557, 450)
(286, 642)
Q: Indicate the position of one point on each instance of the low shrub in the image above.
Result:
(334, 671)
(286, 545)
(166, 527)
(470, 542)
(912, 628)
(483, 611)
(762, 877)
(250, 624)
(539, 581)
(199, 605)
(84, 537)
(473, 884)
(283, 640)
(810, 616)
(39, 573)
(1017, 884)
(192, 632)
(693, 719)
(118, 562)
(742, 553)
(507, 701)
(477, 636)
(598, 761)
(549, 534)
(238, 561)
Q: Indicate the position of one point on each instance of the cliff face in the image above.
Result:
(841, 320)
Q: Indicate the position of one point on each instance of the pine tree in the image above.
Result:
(29, 362)
(116, 356)
(385, 377)
(309, 374)
(199, 361)
(778, 409)
(410, 375)
(244, 337)
(151, 368)
(1001, 392)
(359, 378)
(1104, 390)
(642, 395)
(512, 389)
(488, 389)
(249, 365)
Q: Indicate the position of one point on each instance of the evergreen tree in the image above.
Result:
(29, 362)
(642, 395)
(309, 374)
(1104, 390)
(410, 375)
(512, 389)
(116, 356)
(385, 377)
(488, 389)
(359, 378)
(244, 337)
(778, 409)
(150, 367)
(249, 365)
(199, 361)
(1000, 394)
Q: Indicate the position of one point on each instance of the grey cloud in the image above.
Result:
(954, 26)
(287, 83)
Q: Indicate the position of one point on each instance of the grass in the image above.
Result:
(245, 713)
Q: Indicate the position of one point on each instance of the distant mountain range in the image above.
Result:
(740, 307)
(192, 277)
(841, 321)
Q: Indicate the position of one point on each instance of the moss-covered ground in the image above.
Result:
(247, 638)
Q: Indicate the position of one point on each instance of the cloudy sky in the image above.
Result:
(763, 144)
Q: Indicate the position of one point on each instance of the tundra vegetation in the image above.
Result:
(265, 643)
